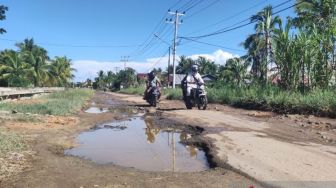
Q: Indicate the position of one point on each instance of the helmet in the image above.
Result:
(151, 74)
(194, 69)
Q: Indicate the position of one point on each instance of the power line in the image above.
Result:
(159, 60)
(215, 45)
(193, 5)
(240, 26)
(148, 43)
(203, 9)
(77, 46)
(230, 17)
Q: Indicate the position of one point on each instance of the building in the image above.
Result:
(209, 78)
(179, 78)
(141, 77)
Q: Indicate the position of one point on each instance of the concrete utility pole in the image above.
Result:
(168, 65)
(176, 22)
(125, 59)
(116, 69)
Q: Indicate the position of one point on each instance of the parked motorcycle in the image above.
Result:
(153, 96)
(197, 98)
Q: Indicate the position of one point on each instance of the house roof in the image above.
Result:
(209, 77)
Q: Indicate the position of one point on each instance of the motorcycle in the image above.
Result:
(153, 96)
(197, 98)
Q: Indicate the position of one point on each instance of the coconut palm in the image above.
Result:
(256, 51)
(61, 71)
(13, 69)
(265, 26)
(234, 71)
(39, 71)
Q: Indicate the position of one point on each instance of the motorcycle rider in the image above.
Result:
(191, 80)
(152, 81)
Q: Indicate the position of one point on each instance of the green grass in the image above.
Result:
(11, 143)
(318, 102)
(58, 103)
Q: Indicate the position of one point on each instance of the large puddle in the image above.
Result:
(138, 143)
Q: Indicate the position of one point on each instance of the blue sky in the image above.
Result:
(95, 34)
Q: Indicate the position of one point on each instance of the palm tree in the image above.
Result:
(256, 51)
(61, 71)
(206, 66)
(39, 71)
(13, 69)
(265, 26)
(110, 77)
(26, 45)
(184, 65)
(235, 70)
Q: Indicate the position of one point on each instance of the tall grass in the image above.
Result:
(58, 103)
(318, 102)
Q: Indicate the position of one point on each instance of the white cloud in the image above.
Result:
(219, 56)
(89, 68)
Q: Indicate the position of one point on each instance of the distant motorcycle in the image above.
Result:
(198, 97)
(153, 96)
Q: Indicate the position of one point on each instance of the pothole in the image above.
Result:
(139, 143)
(96, 110)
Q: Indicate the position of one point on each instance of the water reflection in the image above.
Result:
(96, 110)
(139, 143)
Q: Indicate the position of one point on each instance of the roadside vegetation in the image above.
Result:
(289, 67)
(59, 103)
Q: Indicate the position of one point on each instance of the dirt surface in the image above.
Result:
(277, 150)
(48, 136)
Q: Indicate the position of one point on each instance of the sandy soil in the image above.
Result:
(46, 165)
(277, 150)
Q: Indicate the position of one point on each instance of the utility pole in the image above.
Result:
(116, 69)
(176, 22)
(168, 65)
(125, 59)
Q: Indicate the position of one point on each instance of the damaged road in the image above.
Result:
(49, 137)
(275, 150)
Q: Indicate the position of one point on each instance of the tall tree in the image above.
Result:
(234, 71)
(61, 71)
(13, 69)
(265, 26)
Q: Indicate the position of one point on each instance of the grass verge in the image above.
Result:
(316, 102)
(58, 103)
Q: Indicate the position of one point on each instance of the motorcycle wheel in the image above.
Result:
(153, 101)
(203, 103)
(188, 103)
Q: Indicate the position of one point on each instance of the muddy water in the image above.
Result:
(138, 143)
(96, 110)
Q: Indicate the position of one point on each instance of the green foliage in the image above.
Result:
(58, 103)
(173, 94)
(318, 102)
(126, 78)
(31, 66)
